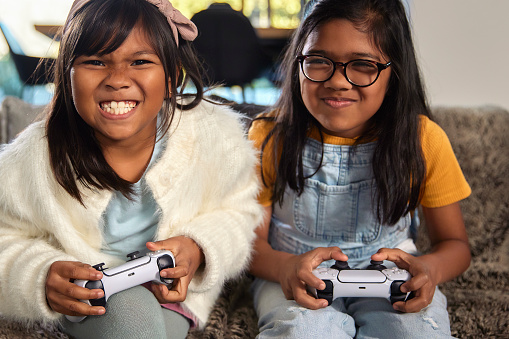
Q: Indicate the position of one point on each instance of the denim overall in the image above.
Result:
(336, 209)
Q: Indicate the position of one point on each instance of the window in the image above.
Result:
(262, 13)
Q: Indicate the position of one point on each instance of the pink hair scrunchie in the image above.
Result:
(178, 22)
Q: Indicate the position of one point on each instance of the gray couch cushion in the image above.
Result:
(15, 115)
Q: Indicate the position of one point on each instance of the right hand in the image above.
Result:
(297, 273)
(63, 296)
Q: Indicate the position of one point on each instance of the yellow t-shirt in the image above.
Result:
(445, 183)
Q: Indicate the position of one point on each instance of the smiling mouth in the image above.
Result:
(118, 107)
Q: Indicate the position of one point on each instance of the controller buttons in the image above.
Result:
(134, 255)
(396, 273)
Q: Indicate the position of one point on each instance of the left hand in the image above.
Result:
(188, 258)
(422, 282)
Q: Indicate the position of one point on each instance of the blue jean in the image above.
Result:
(345, 317)
(336, 209)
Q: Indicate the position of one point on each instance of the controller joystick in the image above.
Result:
(376, 265)
(374, 281)
(341, 265)
(138, 270)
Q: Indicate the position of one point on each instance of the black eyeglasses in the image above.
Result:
(358, 72)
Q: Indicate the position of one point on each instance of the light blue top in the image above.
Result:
(129, 224)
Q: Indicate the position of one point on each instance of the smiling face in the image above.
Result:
(120, 94)
(341, 108)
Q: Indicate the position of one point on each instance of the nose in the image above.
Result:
(338, 80)
(118, 78)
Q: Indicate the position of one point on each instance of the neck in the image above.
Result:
(130, 161)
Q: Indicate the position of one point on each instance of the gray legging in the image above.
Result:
(133, 313)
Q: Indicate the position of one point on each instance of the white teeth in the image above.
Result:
(118, 107)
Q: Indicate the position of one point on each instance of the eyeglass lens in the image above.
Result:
(359, 72)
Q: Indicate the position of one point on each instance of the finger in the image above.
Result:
(178, 292)
(71, 306)
(155, 245)
(57, 286)
(175, 272)
(74, 270)
(337, 254)
(399, 257)
(303, 298)
(322, 254)
(411, 306)
(415, 283)
(160, 291)
(74, 307)
(423, 297)
(387, 254)
(70, 292)
(311, 280)
(83, 293)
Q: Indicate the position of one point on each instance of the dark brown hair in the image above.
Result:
(99, 28)
(398, 164)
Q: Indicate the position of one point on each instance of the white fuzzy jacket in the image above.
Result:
(205, 184)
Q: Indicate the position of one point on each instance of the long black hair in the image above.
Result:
(99, 27)
(398, 164)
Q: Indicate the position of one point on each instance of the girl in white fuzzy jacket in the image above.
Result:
(125, 161)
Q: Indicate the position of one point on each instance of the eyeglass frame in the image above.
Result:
(380, 66)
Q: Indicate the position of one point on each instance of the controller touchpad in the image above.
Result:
(361, 276)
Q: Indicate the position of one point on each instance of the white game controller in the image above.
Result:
(375, 281)
(138, 270)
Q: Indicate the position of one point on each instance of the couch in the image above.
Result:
(478, 300)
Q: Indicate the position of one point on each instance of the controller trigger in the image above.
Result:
(133, 255)
(99, 267)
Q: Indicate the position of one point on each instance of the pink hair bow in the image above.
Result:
(178, 22)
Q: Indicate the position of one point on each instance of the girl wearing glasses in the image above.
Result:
(347, 155)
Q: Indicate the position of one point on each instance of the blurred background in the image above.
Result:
(462, 46)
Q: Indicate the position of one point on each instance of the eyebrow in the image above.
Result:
(144, 52)
(356, 55)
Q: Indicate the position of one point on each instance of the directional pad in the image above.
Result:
(327, 292)
(396, 294)
(96, 284)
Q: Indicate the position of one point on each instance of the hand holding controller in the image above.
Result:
(138, 270)
(375, 281)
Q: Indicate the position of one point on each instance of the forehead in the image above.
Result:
(339, 39)
(106, 34)
(137, 40)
